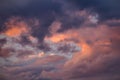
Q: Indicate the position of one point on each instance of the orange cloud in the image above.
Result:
(56, 38)
(16, 27)
(80, 36)
(15, 31)
(89, 39)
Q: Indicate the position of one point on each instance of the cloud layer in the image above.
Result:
(59, 40)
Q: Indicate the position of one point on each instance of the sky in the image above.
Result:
(59, 40)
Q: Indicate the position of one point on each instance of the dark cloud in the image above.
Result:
(69, 22)
(51, 10)
(31, 8)
(44, 10)
(3, 41)
(107, 9)
(113, 23)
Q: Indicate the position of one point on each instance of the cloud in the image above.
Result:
(98, 61)
(98, 57)
(34, 70)
(46, 13)
(106, 9)
(16, 28)
(59, 40)
(18, 42)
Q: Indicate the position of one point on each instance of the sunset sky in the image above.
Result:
(59, 39)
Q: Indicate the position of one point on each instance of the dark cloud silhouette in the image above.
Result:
(107, 9)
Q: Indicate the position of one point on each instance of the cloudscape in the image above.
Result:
(59, 40)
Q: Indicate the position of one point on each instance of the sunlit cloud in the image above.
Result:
(16, 28)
